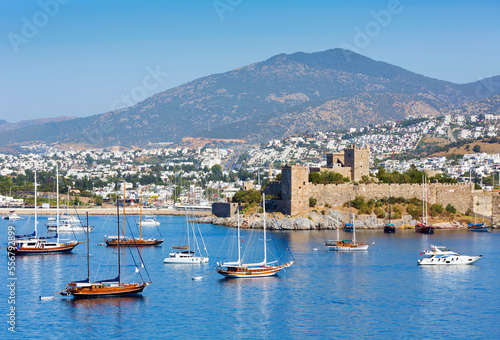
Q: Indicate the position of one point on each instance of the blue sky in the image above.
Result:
(87, 57)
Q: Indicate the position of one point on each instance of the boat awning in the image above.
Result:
(23, 236)
(180, 247)
(116, 279)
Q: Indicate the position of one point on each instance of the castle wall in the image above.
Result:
(458, 195)
(495, 209)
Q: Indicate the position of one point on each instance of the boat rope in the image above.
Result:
(140, 255)
(281, 232)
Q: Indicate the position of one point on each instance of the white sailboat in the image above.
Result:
(239, 269)
(187, 254)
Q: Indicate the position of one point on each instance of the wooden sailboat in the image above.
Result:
(34, 245)
(105, 288)
(239, 269)
(389, 227)
(423, 227)
(187, 254)
(346, 245)
(130, 241)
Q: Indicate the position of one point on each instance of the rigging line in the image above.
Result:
(140, 255)
(220, 248)
(281, 231)
(135, 243)
(202, 239)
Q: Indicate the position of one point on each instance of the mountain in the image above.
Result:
(6, 126)
(286, 94)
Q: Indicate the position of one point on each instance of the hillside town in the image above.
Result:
(167, 175)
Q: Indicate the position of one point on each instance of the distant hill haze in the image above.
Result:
(284, 95)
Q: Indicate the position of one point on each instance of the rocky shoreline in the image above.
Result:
(330, 221)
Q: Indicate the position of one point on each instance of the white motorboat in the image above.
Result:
(12, 216)
(65, 227)
(149, 221)
(439, 255)
(185, 257)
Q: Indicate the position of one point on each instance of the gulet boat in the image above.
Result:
(105, 288)
(239, 269)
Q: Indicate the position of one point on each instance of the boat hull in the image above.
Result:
(100, 290)
(447, 261)
(480, 230)
(389, 229)
(424, 229)
(74, 229)
(363, 247)
(134, 242)
(250, 273)
(45, 251)
(189, 260)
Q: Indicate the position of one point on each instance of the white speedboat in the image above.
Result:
(439, 256)
(185, 257)
(12, 216)
(149, 221)
(66, 227)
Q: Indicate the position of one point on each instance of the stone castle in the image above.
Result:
(292, 193)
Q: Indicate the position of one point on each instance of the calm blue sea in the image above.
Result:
(380, 294)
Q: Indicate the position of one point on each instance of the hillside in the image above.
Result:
(283, 95)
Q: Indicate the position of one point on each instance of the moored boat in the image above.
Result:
(131, 241)
(32, 244)
(439, 255)
(239, 269)
(186, 254)
(106, 288)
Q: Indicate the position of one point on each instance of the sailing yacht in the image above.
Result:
(106, 288)
(346, 245)
(479, 227)
(67, 223)
(239, 269)
(184, 254)
(389, 227)
(131, 241)
(423, 227)
(349, 227)
(32, 244)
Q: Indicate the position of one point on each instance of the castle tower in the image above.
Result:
(294, 188)
(358, 159)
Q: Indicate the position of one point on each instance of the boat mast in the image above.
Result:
(140, 218)
(239, 242)
(389, 204)
(36, 217)
(57, 198)
(118, 235)
(124, 192)
(88, 253)
(338, 232)
(353, 231)
(187, 228)
(265, 240)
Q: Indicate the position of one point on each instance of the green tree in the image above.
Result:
(451, 209)
(476, 148)
(312, 202)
